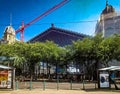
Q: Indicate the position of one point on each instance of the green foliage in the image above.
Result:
(95, 51)
(90, 51)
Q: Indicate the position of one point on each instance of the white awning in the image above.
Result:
(4, 67)
(111, 68)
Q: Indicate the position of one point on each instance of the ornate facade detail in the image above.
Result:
(9, 35)
(109, 22)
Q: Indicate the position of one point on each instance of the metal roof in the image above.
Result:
(111, 68)
(4, 67)
(59, 36)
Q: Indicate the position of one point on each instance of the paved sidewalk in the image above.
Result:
(60, 92)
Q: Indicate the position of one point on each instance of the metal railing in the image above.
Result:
(43, 85)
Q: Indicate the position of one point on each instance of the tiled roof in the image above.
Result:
(60, 36)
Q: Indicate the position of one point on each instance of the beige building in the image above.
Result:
(9, 35)
(109, 22)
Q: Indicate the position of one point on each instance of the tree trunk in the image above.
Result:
(49, 73)
(95, 71)
(31, 69)
(39, 71)
(47, 69)
(43, 71)
(56, 70)
(76, 66)
(66, 68)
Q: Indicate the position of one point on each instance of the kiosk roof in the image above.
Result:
(4, 67)
(110, 68)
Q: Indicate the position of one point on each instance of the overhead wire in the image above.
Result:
(71, 22)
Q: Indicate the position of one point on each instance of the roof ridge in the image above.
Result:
(71, 31)
(60, 29)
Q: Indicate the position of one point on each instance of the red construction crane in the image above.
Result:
(21, 29)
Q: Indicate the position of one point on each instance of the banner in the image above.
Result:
(104, 80)
(5, 79)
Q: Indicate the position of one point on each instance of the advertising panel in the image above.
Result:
(104, 80)
(5, 78)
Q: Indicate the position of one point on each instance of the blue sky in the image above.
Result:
(71, 16)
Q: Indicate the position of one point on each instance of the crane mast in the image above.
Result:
(21, 29)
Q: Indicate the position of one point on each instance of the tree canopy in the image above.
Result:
(89, 52)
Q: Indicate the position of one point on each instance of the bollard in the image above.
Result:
(44, 85)
(71, 85)
(83, 85)
(16, 85)
(30, 85)
(57, 84)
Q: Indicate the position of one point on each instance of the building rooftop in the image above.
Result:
(59, 36)
(9, 29)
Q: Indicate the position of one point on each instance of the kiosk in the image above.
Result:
(108, 76)
(7, 75)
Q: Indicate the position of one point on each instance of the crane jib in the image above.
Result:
(21, 30)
